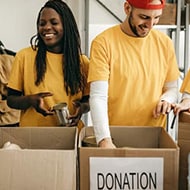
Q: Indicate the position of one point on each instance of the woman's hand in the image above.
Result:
(81, 106)
(16, 100)
(37, 101)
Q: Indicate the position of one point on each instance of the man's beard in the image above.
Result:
(133, 29)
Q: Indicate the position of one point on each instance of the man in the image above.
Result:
(133, 72)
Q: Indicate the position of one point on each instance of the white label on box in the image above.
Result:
(123, 173)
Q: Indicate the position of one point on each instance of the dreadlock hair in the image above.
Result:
(73, 75)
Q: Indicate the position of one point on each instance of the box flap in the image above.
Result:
(40, 137)
(37, 169)
(135, 137)
(184, 117)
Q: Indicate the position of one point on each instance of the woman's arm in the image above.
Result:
(16, 100)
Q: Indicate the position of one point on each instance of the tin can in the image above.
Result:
(62, 113)
(89, 141)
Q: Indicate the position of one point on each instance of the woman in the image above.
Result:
(51, 71)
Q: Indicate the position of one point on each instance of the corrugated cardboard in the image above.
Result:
(47, 160)
(142, 142)
(184, 144)
(169, 15)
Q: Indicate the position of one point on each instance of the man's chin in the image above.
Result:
(143, 34)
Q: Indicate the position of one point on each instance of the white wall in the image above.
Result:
(18, 20)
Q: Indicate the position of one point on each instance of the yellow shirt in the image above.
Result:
(23, 79)
(136, 69)
(185, 87)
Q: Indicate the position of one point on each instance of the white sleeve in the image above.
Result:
(170, 92)
(185, 95)
(99, 109)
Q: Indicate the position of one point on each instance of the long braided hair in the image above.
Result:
(73, 75)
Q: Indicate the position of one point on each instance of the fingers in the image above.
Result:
(76, 103)
(166, 108)
(182, 106)
(39, 104)
(106, 143)
(163, 108)
(176, 109)
(76, 114)
(44, 111)
(45, 94)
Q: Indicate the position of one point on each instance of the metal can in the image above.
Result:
(62, 113)
(89, 141)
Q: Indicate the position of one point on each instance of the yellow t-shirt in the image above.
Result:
(136, 69)
(185, 87)
(23, 79)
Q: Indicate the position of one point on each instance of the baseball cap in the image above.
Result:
(146, 4)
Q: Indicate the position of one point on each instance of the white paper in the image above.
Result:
(123, 173)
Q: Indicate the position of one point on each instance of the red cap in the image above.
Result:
(146, 4)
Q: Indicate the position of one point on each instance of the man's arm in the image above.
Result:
(167, 100)
(99, 113)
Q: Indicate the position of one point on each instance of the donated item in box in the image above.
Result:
(46, 160)
(145, 158)
(184, 144)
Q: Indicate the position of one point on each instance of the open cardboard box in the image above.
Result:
(132, 142)
(184, 144)
(46, 161)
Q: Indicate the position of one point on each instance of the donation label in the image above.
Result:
(126, 173)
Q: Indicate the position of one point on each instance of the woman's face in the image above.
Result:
(50, 29)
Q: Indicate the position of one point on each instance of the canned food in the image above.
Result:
(89, 141)
(62, 113)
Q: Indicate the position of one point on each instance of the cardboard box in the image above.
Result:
(139, 144)
(169, 16)
(47, 160)
(184, 144)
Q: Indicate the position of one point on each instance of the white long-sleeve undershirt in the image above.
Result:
(170, 92)
(99, 105)
(99, 109)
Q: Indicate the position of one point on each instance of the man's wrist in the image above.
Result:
(105, 140)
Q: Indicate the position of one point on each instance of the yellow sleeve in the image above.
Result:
(185, 87)
(85, 67)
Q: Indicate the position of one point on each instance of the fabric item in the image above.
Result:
(185, 87)
(8, 116)
(147, 4)
(5, 69)
(136, 70)
(98, 107)
(23, 79)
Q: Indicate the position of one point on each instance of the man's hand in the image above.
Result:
(81, 107)
(106, 143)
(163, 108)
(182, 106)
